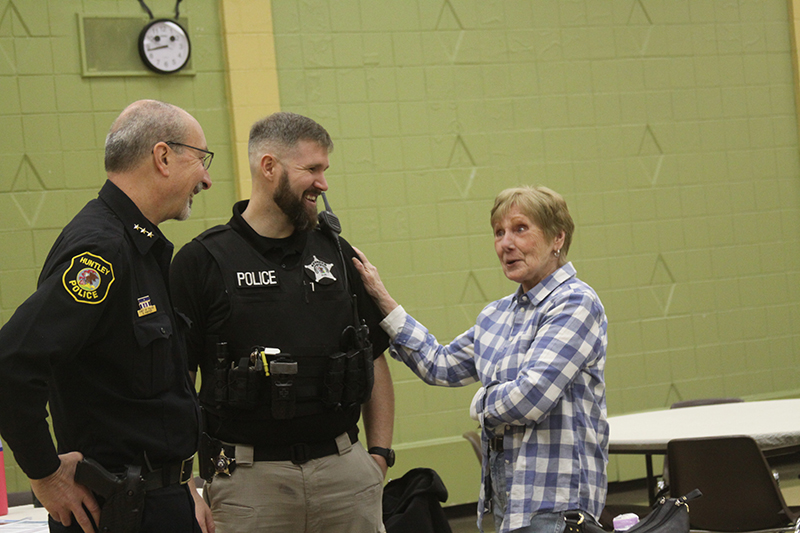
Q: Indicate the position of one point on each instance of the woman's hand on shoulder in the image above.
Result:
(372, 282)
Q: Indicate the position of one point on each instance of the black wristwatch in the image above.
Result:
(386, 453)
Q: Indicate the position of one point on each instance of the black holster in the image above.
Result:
(207, 452)
(212, 458)
(282, 371)
(123, 495)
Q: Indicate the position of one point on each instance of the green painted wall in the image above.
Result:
(670, 128)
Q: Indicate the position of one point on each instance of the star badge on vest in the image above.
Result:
(88, 278)
(145, 306)
(321, 271)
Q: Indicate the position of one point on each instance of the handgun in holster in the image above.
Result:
(123, 495)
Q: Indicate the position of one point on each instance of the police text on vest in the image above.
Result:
(256, 279)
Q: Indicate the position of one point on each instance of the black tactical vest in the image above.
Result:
(288, 335)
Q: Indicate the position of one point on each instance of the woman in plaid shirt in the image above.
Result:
(539, 355)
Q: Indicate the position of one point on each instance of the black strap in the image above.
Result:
(171, 474)
(330, 226)
(496, 444)
(580, 522)
(297, 453)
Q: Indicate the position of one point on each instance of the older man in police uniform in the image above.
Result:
(100, 340)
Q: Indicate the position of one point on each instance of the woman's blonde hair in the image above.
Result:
(543, 206)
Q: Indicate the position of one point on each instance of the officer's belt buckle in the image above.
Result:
(224, 465)
(300, 453)
(186, 469)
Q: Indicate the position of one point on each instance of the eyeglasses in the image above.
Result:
(206, 158)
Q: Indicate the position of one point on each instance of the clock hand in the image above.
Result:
(158, 47)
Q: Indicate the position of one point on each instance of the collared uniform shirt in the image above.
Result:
(99, 340)
(540, 357)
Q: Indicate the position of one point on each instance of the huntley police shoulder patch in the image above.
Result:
(88, 278)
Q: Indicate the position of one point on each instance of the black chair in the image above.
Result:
(694, 403)
(739, 490)
(612, 510)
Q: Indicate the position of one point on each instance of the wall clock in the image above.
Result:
(164, 46)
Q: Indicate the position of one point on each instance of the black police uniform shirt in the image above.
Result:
(199, 291)
(100, 336)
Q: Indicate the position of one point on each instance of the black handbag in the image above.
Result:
(669, 515)
(411, 504)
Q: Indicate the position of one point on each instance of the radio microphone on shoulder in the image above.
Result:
(327, 220)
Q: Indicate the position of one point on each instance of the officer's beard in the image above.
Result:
(302, 217)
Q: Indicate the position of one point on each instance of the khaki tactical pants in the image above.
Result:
(335, 494)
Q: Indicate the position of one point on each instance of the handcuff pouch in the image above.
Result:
(282, 371)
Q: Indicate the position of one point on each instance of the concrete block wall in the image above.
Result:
(669, 127)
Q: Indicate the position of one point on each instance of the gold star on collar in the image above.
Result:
(143, 230)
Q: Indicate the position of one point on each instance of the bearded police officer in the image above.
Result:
(284, 336)
(99, 338)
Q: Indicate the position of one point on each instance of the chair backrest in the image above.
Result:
(739, 491)
(475, 442)
(695, 402)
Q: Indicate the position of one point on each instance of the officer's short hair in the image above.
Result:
(137, 130)
(282, 131)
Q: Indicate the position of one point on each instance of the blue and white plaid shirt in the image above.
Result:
(540, 357)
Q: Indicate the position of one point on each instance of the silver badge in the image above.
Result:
(321, 269)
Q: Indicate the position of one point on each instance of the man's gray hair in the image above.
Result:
(282, 131)
(137, 130)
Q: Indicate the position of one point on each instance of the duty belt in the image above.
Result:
(106, 483)
(170, 474)
(123, 495)
(296, 453)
